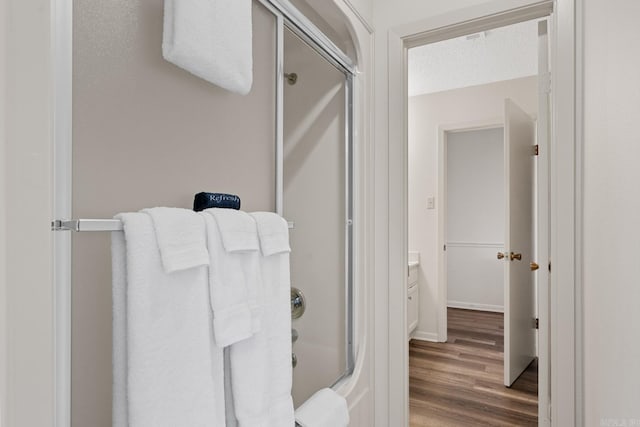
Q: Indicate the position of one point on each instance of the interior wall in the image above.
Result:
(147, 133)
(314, 195)
(611, 227)
(27, 272)
(427, 113)
(326, 17)
(475, 218)
(3, 219)
(364, 9)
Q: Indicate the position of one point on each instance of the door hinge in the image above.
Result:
(536, 323)
(444, 248)
(536, 150)
(545, 83)
(549, 266)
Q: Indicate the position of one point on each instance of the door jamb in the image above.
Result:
(566, 186)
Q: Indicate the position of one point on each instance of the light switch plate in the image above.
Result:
(431, 203)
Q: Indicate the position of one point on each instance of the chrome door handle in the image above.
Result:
(298, 303)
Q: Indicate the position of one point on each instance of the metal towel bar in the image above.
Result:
(95, 225)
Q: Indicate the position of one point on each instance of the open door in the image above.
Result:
(519, 292)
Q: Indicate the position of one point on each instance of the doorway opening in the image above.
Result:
(473, 196)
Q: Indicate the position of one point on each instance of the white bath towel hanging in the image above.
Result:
(234, 274)
(261, 372)
(167, 370)
(211, 39)
(181, 236)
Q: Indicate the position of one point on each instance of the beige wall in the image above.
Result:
(3, 216)
(611, 205)
(427, 113)
(147, 133)
(26, 271)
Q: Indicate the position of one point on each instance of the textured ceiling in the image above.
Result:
(501, 54)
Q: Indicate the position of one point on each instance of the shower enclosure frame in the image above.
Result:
(286, 15)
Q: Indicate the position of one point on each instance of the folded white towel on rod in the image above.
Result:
(211, 39)
(325, 408)
(237, 228)
(273, 239)
(261, 372)
(181, 238)
(167, 371)
(234, 274)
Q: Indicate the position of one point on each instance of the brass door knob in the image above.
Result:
(500, 255)
(515, 256)
(534, 266)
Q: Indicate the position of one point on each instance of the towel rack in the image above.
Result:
(97, 225)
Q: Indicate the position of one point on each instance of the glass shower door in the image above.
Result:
(315, 200)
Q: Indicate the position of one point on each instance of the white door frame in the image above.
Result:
(566, 406)
(441, 212)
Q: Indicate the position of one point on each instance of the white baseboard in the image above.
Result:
(424, 336)
(475, 306)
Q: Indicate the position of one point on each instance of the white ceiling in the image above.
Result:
(501, 54)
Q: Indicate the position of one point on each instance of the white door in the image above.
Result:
(519, 332)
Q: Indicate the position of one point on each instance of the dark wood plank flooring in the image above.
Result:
(460, 382)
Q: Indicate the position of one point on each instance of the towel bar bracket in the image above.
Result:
(61, 225)
(86, 225)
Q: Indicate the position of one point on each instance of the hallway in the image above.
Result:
(460, 382)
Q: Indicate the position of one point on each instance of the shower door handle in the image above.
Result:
(298, 303)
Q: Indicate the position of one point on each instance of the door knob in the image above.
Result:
(534, 266)
(500, 255)
(515, 256)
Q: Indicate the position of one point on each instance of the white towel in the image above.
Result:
(237, 228)
(166, 366)
(181, 238)
(211, 39)
(273, 231)
(234, 277)
(239, 235)
(325, 408)
(261, 372)
(119, 331)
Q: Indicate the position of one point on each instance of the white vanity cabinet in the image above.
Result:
(413, 293)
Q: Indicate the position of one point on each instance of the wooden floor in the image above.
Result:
(460, 382)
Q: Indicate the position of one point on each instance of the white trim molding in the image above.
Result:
(475, 245)
(424, 336)
(475, 306)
